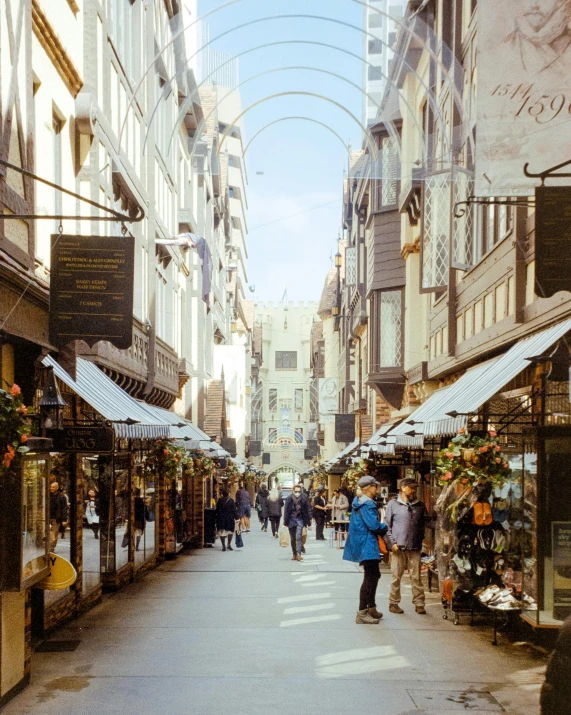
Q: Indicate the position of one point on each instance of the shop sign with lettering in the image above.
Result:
(83, 439)
(91, 289)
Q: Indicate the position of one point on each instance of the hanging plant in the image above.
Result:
(231, 473)
(320, 478)
(352, 476)
(168, 458)
(14, 427)
(469, 460)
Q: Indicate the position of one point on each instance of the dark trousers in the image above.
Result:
(368, 591)
(264, 522)
(275, 524)
(295, 536)
(319, 525)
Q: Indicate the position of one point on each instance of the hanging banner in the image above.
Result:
(552, 240)
(524, 92)
(91, 289)
(328, 389)
(344, 428)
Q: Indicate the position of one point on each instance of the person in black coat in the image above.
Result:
(556, 690)
(226, 516)
(297, 515)
(262, 506)
(275, 506)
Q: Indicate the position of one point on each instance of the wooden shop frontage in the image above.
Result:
(110, 484)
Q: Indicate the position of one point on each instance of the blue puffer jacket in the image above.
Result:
(362, 543)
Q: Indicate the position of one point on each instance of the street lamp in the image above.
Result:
(338, 259)
(51, 404)
(335, 311)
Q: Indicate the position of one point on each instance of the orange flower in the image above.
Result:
(23, 438)
(461, 430)
(492, 433)
(505, 465)
(23, 410)
(15, 390)
(498, 448)
(166, 452)
(450, 455)
(9, 456)
(498, 460)
(448, 476)
(464, 480)
(483, 450)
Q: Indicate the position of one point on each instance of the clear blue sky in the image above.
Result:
(302, 163)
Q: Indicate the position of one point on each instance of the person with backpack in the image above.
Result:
(406, 518)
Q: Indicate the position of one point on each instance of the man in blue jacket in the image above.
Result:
(362, 546)
(406, 518)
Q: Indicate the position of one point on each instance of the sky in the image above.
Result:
(295, 168)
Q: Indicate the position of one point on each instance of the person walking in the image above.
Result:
(320, 513)
(555, 696)
(244, 505)
(362, 547)
(296, 517)
(58, 513)
(262, 506)
(275, 506)
(92, 512)
(139, 517)
(406, 517)
(226, 517)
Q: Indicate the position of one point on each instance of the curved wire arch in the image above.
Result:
(286, 119)
(403, 26)
(390, 125)
(185, 105)
(370, 142)
(167, 90)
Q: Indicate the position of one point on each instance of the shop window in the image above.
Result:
(299, 400)
(121, 509)
(390, 329)
(144, 514)
(436, 234)
(62, 516)
(351, 266)
(273, 400)
(91, 524)
(286, 360)
(33, 513)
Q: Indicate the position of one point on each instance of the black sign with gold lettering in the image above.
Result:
(389, 460)
(83, 439)
(552, 240)
(344, 428)
(91, 291)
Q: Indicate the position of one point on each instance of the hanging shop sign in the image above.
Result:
(561, 532)
(266, 458)
(552, 240)
(229, 444)
(524, 92)
(312, 448)
(344, 428)
(389, 460)
(255, 448)
(97, 440)
(91, 289)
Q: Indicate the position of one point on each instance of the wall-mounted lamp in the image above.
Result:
(233, 326)
(338, 260)
(51, 404)
(335, 311)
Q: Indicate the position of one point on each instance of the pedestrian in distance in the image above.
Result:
(226, 517)
(244, 504)
(406, 519)
(275, 508)
(339, 505)
(556, 690)
(58, 513)
(320, 513)
(362, 547)
(262, 506)
(297, 516)
(92, 512)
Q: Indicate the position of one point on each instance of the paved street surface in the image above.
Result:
(251, 632)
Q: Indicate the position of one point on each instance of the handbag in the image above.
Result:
(284, 538)
(239, 541)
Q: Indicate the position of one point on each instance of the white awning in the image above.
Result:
(129, 419)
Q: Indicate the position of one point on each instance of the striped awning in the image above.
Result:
(129, 419)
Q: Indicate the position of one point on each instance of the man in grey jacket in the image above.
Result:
(406, 518)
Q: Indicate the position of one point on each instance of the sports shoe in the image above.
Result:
(395, 608)
(374, 613)
(365, 617)
(421, 610)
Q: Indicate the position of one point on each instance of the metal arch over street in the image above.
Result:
(188, 101)
(305, 119)
(186, 104)
(403, 25)
(370, 142)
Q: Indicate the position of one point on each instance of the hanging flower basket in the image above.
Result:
(469, 460)
(169, 459)
(352, 476)
(14, 428)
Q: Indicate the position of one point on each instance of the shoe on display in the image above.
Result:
(364, 617)
(395, 608)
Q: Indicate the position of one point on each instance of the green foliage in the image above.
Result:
(469, 459)
(14, 428)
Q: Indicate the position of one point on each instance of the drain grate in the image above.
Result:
(57, 646)
(455, 701)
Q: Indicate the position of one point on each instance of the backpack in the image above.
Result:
(482, 513)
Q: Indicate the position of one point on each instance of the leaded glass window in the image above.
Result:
(390, 328)
(436, 238)
(463, 244)
(351, 266)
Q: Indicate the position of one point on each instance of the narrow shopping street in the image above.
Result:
(250, 632)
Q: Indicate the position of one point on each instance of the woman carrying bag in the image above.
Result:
(362, 546)
(226, 517)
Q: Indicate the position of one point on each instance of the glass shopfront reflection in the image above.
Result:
(121, 509)
(62, 522)
(35, 473)
(144, 514)
(91, 524)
